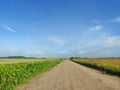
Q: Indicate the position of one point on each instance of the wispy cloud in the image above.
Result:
(112, 41)
(96, 21)
(101, 47)
(96, 28)
(8, 28)
(57, 40)
(117, 19)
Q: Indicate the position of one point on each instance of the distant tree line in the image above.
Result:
(17, 57)
(91, 57)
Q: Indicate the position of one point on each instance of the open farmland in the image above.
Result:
(19, 60)
(72, 76)
(108, 65)
(18, 74)
(14, 74)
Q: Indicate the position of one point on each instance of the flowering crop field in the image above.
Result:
(108, 65)
(14, 74)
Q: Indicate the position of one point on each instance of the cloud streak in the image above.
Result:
(57, 40)
(96, 28)
(113, 41)
(117, 19)
(8, 28)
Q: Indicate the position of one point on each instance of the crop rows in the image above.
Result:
(111, 66)
(12, 75)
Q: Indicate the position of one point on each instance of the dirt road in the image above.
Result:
(71, 76)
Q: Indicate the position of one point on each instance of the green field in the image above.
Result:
(109, 65)
(13, 74)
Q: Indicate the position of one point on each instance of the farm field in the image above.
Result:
(14, 72)
(72, 76)
(108, 65)
(19, 60)
(17, 74)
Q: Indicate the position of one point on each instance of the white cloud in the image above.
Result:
(117, 19)
(96, 28)
(112, 41)
(8, 28)
(57, 40)
(102, 42)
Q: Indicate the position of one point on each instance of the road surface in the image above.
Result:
(71, 76)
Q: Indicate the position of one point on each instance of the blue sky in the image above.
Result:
(60, 28)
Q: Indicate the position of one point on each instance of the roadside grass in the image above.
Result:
(12, 75)
(110, 66)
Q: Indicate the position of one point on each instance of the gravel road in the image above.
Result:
(71, 76)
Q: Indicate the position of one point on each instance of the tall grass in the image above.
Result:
(12, 75)
(111, 66)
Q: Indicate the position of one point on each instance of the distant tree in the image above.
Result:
(16, 57)
(71, 58)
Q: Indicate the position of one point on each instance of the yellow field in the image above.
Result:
(108, 65)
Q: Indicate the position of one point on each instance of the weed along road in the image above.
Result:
(71, 76)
